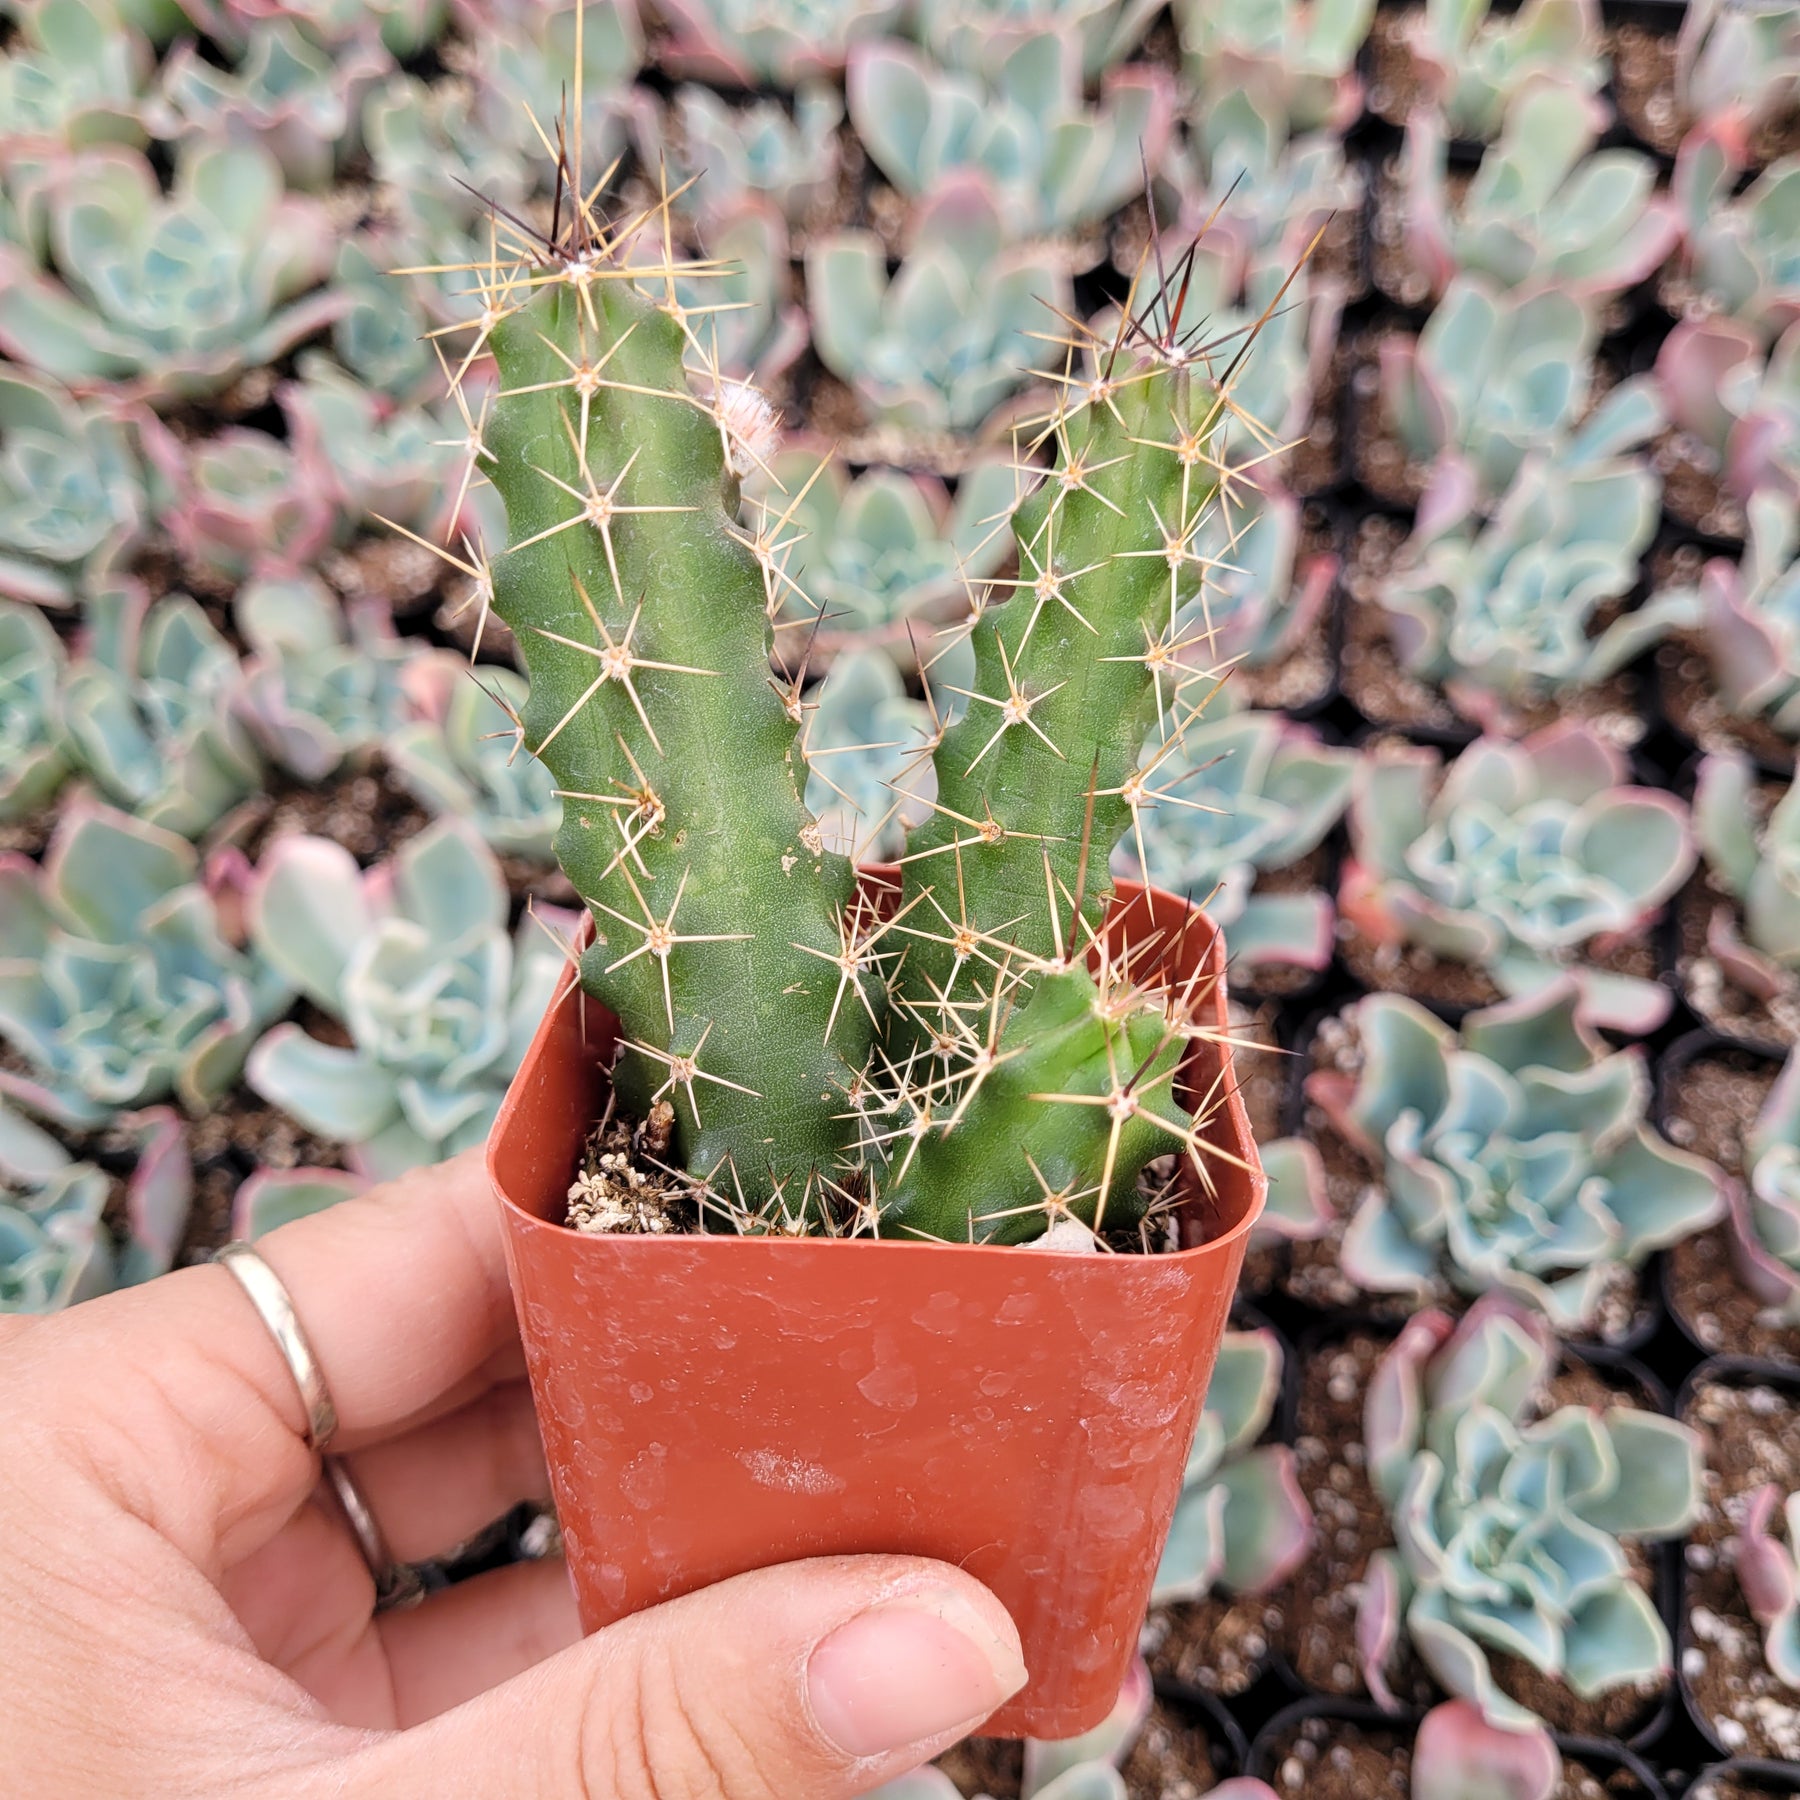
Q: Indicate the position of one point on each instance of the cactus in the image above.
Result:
(71, 492)
(1501, 611)
(120, 981)
(716, 155)
(1237, 796)
(150, 712)
(414, 959)
(1514, 1156)
(1056, 164)
(1540, 211)
(942, 343)
(1756, 860)
(1475, 64)
(1741, 252)
(1242, 1522)
(174, 295)
(825, 1066)
(35, 753)
(1509, 1523)
(466, 759)
(1514, 859)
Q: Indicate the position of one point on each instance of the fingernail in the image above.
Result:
(911, 1669)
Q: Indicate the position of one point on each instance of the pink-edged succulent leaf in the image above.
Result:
(160, 1193)
(1109, 1742)
(272, 1198)
(1379, 1614)
(1458, 1755)
(1298, 1208)
(1394, 1408)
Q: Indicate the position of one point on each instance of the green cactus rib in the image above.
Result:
(641, 615)
(1036, 783)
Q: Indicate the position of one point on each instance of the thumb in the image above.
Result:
(805, 1682)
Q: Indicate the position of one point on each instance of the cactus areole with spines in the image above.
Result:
(836, 1066)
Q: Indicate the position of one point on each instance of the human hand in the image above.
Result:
(181, 1614)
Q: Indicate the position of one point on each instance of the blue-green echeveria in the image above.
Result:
(1223, 800)
(1515, 859)
(1765, 1204)
(1511, 1522)
(465, 758)
(1242, 1523)
(1475, 61)
(35, 753)
(981, 34)
(150, 712)
(415, 961)
(55, 1248)
(721, 154)
(174, 295)
(868, 751)
(756, 43)
(1756, 860)
(272, 1198)
(120, 980)
(74, 75)
(1514, 1155)
(1742, 250)
(71, 492)
(1296, 55)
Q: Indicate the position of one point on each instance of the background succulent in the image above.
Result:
(1475, 62)
(1503, 612)
(1540, 211)
(1297, 55)
(71, 491)
(120, 983)
(1768, 1571)
(55, 1247)
(1515, 1156)
(75, 74)
(1458, 1755)
(1741, 250)
(950, 336)
(175, 295)
(1056, 163)
(752, 43)
(1753, 854)
(35, 753)
(1514, 858)
(272, 1198)
(746, 322)
(1227, 799)
(1741, 409)
(723, 154)
(1241, 1523)
(1765, 1206)
(979, 34)
(1740, 63)
(415, 961)
(868, 750)
(464, 759)
(149, 712)
(1509, 1523)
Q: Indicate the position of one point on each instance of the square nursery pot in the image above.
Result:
(715, 1404)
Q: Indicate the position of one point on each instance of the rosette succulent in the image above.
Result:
(1738, 62)
(1514, 1155)
(1741, 251)
(723, 154)
(1474, 62)
(1458, 1755)
(150, 712)
(868, 747)
(1511, 1524)
(869, 555)
(1765, 1205)
(414, 960)
(1540, 211)
(980, 34)
(1242, 1523)
(1297, 55)
(1755, 858)
(755, 43)
(1741, 408)
(1222, 801)
(71, 491)
(954, 332)
(74, 75)
(1768, 1572)
(746, 321)
(120, 980)
(272, 1198)
(1501, 611)
(464, 760)
(1056, 163)
(1514, 859)
(55, 1247)
(173, 295)
(35, 753)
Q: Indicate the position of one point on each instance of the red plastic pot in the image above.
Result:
(716, 1404)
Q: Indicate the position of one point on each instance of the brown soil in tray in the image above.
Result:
(365, 810)
(1710, 992)
(1262, 1068)
(1331, 1759)
(1691, 487)
(1314, 1272)
(1319, 1606)
(1753, 1437)
(1219, 1644)
(1171, 1761)
(1713, 1104)
(1735, 1787)
(30, 835)
(1396, 87)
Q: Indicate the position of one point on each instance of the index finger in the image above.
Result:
(402, 1293)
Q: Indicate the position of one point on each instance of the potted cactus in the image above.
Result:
(942, 1165)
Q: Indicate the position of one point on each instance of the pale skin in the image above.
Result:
(182, 1613)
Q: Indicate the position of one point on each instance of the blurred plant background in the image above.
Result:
(1495, 803)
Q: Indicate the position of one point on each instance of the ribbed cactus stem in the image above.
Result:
(724, 937)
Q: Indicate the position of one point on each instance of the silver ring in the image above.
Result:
(276, 1310)
(396, 1583)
